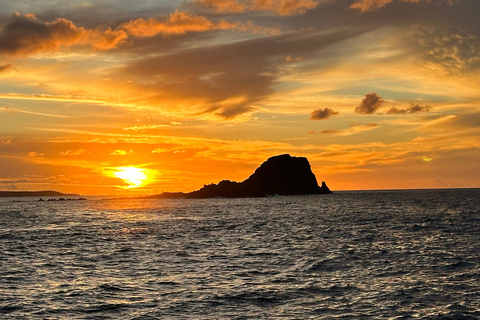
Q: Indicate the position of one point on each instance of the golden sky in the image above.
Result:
(134, 97)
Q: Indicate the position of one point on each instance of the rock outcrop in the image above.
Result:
(279, 175)
(283, 175)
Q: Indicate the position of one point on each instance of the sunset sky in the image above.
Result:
(133, 97)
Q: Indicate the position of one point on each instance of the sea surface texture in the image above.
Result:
(349, 255)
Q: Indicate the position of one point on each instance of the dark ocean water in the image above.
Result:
(349, 255)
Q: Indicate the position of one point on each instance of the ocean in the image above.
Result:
(407, 254)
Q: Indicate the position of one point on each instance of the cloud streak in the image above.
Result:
(147, 127)
(16, 110)
(279, 7)
(372, 5)
(180, 22)
(72, 153)
(289, 58)
(5, 68)
(413, 108)
(120, 152)
(226, 80)
(330, 131)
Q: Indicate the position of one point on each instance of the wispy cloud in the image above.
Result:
(50, 97)
(180, 22)
(5, 67)
(353, 129)
(71, 153)
(330, 131)
(279, 7)
(150, 126)
(160, 150)
(413, 108)
(226, 80)
(120, 152)
(289, 58)
(372, 5)
(16, 110)
(34, 154)
(452, 49)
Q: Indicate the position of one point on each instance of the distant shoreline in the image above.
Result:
(46, 193)
(407, 189)
(20, 194)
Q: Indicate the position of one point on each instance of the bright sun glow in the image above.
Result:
(134, 177)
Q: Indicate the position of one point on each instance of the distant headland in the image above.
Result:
(279, 175)
(46, 193)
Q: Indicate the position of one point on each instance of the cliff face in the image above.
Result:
(282, 175)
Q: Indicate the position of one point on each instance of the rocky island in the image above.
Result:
(279, 175)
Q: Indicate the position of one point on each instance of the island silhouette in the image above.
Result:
(278, 175)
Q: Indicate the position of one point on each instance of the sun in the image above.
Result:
(134, 177)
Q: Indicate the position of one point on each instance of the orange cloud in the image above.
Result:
(73, 152)
(223, 6)
(293, 59)
(26, 35)
(369, 5)
(176, 23)
(181, 22)
(280, 7)
(120, 152)
(160, 150)
(291, 7)
(107, 39)
(372, 5)
(34, 154)
(147, 127)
